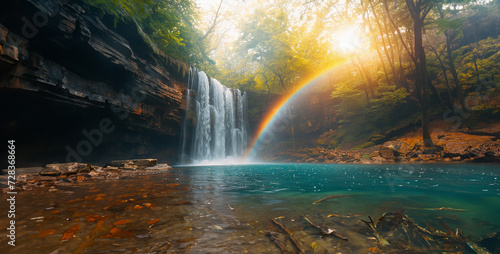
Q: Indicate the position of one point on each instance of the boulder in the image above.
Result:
(65, 169)
(491, 242)
(387, 153)
(311, 160)
(378, 159)
(450, 155)
(427, 157)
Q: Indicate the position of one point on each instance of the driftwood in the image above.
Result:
(327, 232)
(447, 228)
(330, 197)
(289, 234)
(382, 241)
(441, 209)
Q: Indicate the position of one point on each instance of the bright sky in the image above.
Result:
(227, 32)
(347, 38)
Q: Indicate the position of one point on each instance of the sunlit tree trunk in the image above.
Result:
(366, 20)
(369, 82)
(385, 45)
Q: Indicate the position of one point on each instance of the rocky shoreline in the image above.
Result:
(475, 147)
(479, 146)
(53, 175)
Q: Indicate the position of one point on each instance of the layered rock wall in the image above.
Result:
(74, 87)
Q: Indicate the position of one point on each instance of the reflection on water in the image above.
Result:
(221, 209)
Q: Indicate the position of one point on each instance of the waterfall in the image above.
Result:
(215, 125)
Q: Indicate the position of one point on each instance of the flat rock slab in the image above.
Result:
(135, 164)
(160, 167)
(65, 169)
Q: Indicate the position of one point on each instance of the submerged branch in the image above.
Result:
(289, 234)
(275, 240)
(322, 231)
(329, 197)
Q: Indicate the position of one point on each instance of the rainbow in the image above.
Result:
(278, 107)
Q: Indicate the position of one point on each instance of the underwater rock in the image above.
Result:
(491, 242)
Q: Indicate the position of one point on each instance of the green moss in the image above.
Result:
(364, 145)
(322, 142)
(376, 137)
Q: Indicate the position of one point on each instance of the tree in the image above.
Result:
(169, 23)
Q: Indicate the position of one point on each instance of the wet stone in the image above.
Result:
(135, 164)
(65, 169)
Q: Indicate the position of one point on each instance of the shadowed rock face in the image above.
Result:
(73, 87)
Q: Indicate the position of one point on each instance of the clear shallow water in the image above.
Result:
(290, 189)
(229, 209)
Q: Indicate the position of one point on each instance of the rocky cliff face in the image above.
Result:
(73, 87)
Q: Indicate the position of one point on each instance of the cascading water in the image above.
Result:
(215, 127)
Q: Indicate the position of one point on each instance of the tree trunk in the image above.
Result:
(365, 87)
(478, 79)
(391, 60)
(366, 74)
(291, 125)
(448, 89)
(453, 69)
(422, 79)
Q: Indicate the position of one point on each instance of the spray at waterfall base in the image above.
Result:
(214, 130)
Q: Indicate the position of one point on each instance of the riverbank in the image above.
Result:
(67, 174)
(481, 145)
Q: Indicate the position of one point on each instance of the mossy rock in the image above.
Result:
(322, 142)
(333, 144)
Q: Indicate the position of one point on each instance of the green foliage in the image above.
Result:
(364, 145)
(486, 55)
(361, 119)
(377, 137)
(169, 23)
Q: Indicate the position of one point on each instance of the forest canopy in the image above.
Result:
(435, 58)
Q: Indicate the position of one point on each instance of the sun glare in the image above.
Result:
(348, 40)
